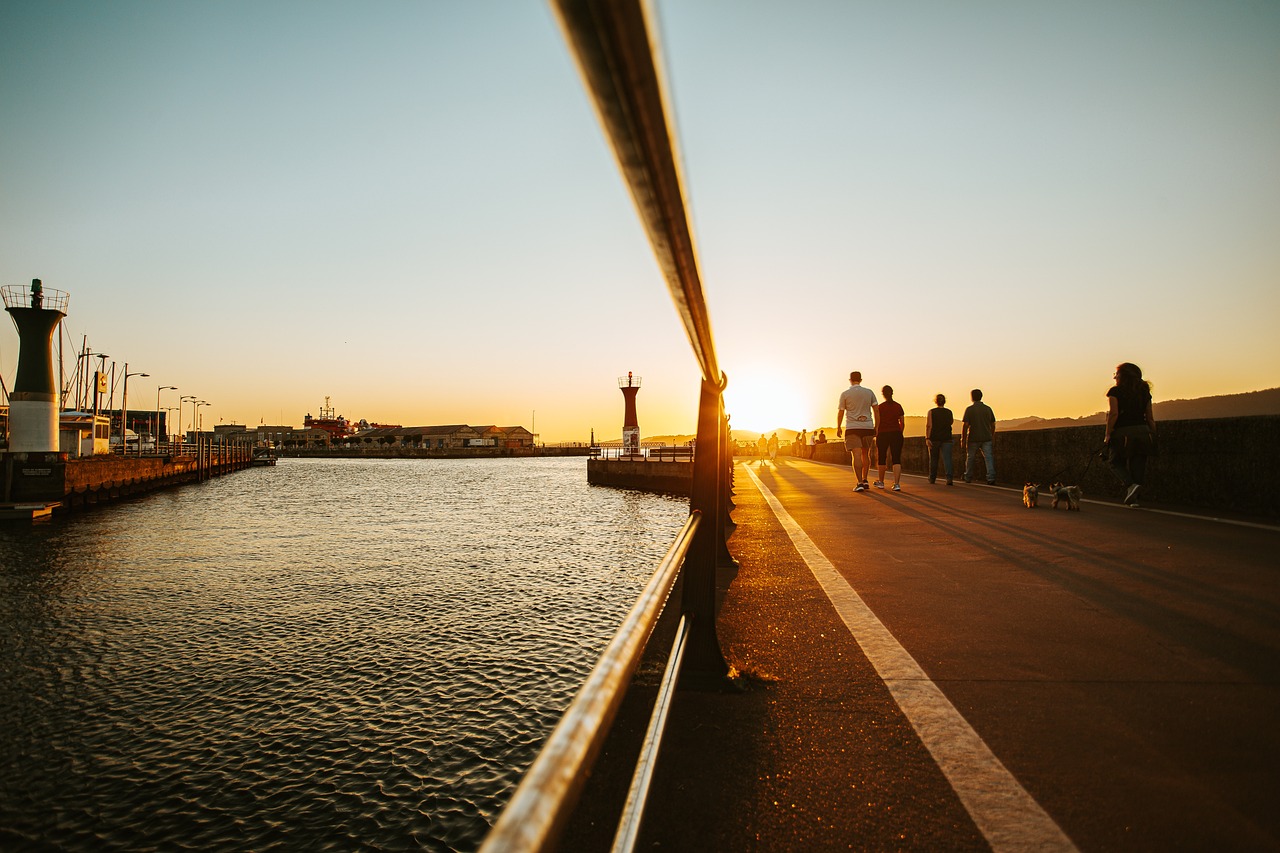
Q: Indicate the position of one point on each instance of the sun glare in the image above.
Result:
(760, 402)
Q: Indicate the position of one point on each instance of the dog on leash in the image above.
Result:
(1070, 494)
(1030, 495)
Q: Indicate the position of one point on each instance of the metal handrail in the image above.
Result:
(21, 297)
(547, 794)
(618, 56)
(628, 832)
(617, 53)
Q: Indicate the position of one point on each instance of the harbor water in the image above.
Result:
(328, 654)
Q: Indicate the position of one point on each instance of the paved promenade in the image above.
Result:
(943, 669)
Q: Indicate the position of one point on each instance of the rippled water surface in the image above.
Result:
(347, 654)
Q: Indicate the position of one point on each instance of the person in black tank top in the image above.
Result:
(937, 433)
(1131, 429)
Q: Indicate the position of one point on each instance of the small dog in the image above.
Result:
(1070, 494)
(1031, 495)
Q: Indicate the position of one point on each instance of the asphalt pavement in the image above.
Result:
(944, 669)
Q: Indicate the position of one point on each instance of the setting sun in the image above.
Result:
(762, 401)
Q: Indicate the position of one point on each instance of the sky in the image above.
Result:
(410, 208)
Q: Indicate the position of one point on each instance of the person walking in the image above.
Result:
(773, 447)
(1131, 429)
(801, 444)
(857, 408)
(762, 447)
(978, 435)
(937, 434)
(812, 441)
(890, 421)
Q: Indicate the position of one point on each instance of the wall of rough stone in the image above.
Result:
(674, 478)
(1213, 464)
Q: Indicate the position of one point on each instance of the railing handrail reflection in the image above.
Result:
(535, 814)
(618, 56)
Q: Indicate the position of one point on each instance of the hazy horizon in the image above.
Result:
(411, 209)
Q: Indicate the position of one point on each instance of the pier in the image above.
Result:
(37, 485)
(945, 669)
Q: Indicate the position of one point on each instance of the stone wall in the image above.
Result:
(1214, 464)
(674, 478)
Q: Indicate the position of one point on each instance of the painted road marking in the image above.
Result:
(1006, 815)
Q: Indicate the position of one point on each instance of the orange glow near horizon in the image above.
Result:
(763, 401)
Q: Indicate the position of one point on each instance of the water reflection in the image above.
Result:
(328, 653)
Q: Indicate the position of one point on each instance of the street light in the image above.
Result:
(184, 399)
(200, 426)
(124, 412)
(97, 383)
(155, 427)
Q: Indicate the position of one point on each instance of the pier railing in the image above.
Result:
(616, 52)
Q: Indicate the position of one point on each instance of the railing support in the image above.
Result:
(704, 657)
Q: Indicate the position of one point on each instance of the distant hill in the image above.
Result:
(1224, 406)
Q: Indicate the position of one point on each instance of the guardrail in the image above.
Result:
(616, 53)
(677, 453)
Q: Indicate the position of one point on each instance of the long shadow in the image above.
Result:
(1212, 638)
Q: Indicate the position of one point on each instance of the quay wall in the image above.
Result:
(670, 477)
(397, 452)
(1215, 464)
(77, 483)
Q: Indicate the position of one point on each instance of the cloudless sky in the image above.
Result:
(409, 206)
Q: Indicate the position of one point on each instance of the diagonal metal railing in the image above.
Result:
(617, 53)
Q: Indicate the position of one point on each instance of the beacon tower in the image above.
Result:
(630, 387)
(33, 400)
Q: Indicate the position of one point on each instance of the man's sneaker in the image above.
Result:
(897, 488)
(861, 487)
(949, 483)
(879, 484)
(1132, 495)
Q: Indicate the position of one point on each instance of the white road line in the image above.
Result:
(1008, 817)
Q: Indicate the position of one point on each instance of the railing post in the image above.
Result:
(704, 657)
(725, 521)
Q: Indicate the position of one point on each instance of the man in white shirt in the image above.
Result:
(857, 408)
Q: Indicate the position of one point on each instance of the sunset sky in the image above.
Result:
(409, 207)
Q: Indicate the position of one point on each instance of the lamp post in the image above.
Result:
(184, 399)
(97, 385)
(155, 428)
(124, 412)
(199, 427)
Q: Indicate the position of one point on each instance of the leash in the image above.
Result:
(1098, 454)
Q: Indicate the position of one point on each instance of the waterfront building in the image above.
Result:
(84, 434)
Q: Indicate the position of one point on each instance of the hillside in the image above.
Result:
(1223, 406)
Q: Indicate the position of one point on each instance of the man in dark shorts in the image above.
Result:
(857, 408)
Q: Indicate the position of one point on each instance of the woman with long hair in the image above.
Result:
(1131, 428)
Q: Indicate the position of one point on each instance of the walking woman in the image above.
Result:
(890, 421)
(1131, 429)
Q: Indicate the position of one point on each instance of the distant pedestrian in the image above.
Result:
(802, 441)
(813, 439)
(773, 447)
(857, 409)
(937, 433)
(890, 422)
(1131, 429)
(762, 447)
(978, 435)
